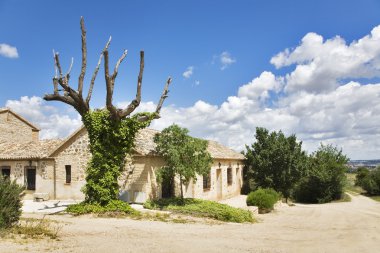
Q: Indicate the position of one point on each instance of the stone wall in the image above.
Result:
(195, 190)
(44, 175)
(76, 154)
(15, 130)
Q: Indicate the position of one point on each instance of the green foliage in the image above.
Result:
(112, 206)
(326, 178)
(263, 198)
(370, 181)
(201, 208)
(110, 141)
(10, 202)
(275, 161)
(185, 156)
(361, 173)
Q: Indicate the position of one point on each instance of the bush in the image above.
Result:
(326, 177)
(361, 173)
(10, 202)
(201, 208)
(371, 182)
(264, 199)
(114, 206)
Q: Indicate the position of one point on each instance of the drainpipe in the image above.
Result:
(55, 181)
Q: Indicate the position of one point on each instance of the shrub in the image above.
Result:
(371, 182)
(264, 199)
(10, 202)
(201, 208)
(114, 206)
(361, 173)
(326, 177)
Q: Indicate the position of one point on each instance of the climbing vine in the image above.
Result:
(110, 141)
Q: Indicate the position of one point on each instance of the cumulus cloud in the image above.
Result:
(8, 51)
(188, 72)
(321, 65)
(54, 123)
(260, 87)
(226, 60)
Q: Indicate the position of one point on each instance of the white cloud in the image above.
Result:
(54, 123)
(197, 82)
(8, 51)
(261, 86)
(226, 60)
(188, 73)
(321, 65)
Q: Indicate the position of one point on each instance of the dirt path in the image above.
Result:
(338, 227)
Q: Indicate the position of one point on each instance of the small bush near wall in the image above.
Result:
(264, 199)
(202, 208)
(114, 206)
(10, 202)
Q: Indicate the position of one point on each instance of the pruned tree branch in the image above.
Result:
(163, 96)
(136, 102)
(74, 97)
(84, 58)
(89, 94)
(160, 103)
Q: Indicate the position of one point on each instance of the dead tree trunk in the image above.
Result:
(111, 130)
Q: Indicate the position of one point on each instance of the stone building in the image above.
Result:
(56, 168)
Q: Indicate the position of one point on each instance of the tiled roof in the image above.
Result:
(145, 145)
(29, 150)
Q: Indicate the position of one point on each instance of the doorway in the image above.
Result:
(167, 186)
(30, 177)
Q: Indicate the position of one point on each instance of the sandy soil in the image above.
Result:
(337, 227)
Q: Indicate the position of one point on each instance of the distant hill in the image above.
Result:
(370, 164)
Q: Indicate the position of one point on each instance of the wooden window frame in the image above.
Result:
(207, 182)
(68, 175)
(229, 176)
(6, 168)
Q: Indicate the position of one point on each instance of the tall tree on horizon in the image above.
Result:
(111, 130)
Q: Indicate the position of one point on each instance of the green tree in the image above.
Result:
(10, 202)
(371, 182)
(361, 173)
(184, 155)
(275, 161)
(111, 130)
(326, 177)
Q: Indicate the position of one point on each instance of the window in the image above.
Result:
(30, 177)
(6, 171)
(229, 176)
(207, 181)
(68, 174)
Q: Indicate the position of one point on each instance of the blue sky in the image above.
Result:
(211, 49)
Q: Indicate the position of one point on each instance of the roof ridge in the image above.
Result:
(7, 109)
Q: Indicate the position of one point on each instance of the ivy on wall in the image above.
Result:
(110, 141)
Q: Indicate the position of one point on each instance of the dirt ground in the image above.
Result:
(338, 227)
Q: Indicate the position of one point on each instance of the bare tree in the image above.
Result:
(110, 149)
(75, 97)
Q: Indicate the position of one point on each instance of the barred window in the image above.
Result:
(229, 176)
(6, 171)
(68, 174)
(207, 181)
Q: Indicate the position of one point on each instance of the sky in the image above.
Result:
(310, 68)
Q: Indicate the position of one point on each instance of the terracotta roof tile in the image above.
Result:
(29, 150)
(145, 145)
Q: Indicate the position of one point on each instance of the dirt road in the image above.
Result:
(338, 227)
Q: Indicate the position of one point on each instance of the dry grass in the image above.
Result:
(30, 228)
